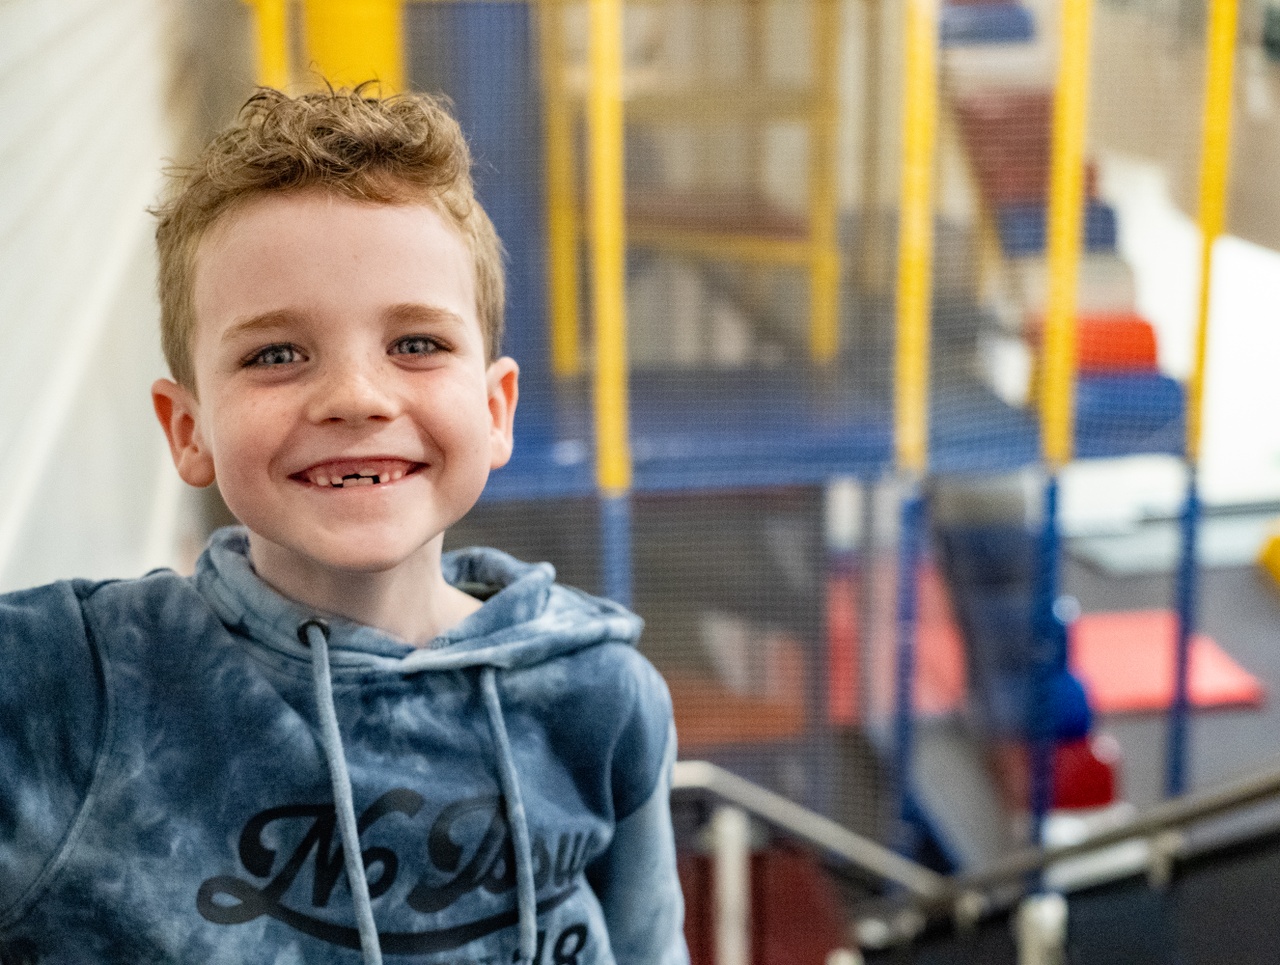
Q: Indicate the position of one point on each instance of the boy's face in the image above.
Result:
(345, 405)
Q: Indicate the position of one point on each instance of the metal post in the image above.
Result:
(271, 25)
(350, 41)
(613, 450)
(731, 859)
(1220, 45)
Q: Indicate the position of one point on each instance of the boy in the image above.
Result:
(333, 743)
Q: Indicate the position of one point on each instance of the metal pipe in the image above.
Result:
(861, 853)
(731, 859)
(915, 237)
(824, 200)
(911, 539)
(271, 26)
(563, 226)
(933, 893)
(1215, 162)
(604, 106)
(1166, 816)
(351, 41)
(1065, 221)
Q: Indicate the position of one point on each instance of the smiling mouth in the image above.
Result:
(349, 473)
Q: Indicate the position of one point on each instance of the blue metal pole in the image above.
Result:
(1047, 658)
(910, 541)
(1186, 601)
(615, 548)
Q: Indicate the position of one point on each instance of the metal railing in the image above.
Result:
(925, 895)
(853, 849)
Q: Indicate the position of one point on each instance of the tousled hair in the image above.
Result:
(402, 149)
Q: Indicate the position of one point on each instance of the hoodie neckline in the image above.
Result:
(526, 619)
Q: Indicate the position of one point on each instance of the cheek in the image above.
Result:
(243, 440)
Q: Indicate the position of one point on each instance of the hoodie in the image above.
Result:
(196, 770)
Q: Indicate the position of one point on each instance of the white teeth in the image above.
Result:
(364, 477)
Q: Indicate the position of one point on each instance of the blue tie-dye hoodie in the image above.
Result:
(170, 785)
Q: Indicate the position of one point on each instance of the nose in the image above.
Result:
(349, 391)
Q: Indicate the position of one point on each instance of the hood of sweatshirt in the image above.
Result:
(525, 619)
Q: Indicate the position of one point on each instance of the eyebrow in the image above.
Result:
(273, 319)
(409, 313)
(416, 313)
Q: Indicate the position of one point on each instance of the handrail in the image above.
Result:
(1163, 817)
(860, 852)
(965, 896)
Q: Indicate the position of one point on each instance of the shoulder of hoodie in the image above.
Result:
(624, 669)
(55, 707)
(54, 624)
(620, 702)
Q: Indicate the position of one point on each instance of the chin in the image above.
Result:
(363, 560)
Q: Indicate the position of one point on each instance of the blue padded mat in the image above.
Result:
(986, 23)
(1022, 228)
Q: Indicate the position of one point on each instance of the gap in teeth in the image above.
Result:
(358, 479)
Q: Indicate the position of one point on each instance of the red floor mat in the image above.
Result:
(1126, 663)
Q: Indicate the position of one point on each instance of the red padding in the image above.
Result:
(1008, 135)
(1109, 342)
(1084, 773)
(796, 913)
(1126, 663)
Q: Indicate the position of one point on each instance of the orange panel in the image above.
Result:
(1112, 342)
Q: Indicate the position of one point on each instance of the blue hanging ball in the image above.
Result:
(1069, 703)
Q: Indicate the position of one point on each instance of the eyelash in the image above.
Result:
(259, 358)
(431, 346)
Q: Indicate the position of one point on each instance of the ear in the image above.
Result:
(178, 410)
(503, 380)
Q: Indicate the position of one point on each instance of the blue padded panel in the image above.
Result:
(1022, 228)
(986, 23)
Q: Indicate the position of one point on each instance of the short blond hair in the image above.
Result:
(403, 149)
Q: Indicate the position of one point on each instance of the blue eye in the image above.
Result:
(274, 355)
(416, 345)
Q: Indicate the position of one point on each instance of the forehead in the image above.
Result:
(316, 253)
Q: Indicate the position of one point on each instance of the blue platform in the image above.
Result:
(757, 428)
(965, 25)
(1022, 228)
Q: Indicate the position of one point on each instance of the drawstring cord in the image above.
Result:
(525, 894)
(314, 634)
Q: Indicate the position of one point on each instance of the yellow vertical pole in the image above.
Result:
(824, 255)
(604, 110)
(271, 27)
(915, 236)
(1065, 217)
(870, 221)
(563, 228)
(350, 41)
(1215, 160)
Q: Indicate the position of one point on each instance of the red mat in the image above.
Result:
(1126, 663)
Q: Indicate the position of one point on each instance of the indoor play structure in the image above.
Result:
(797, 287)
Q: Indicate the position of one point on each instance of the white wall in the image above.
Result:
(89, 89)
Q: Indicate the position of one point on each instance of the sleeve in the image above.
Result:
(52, 716)
(636, 880)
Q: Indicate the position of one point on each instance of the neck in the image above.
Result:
(412, 601)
